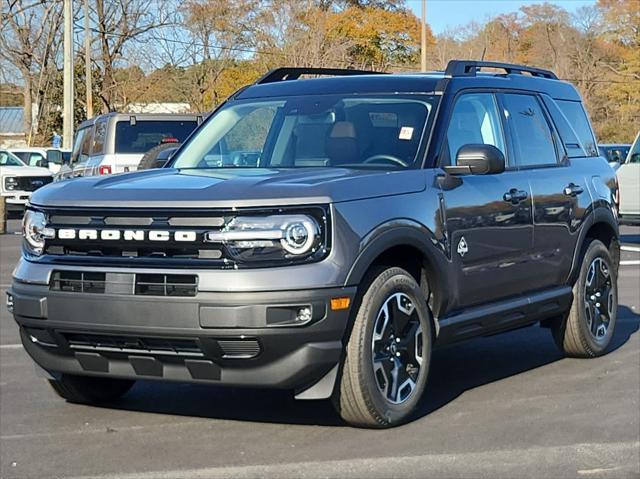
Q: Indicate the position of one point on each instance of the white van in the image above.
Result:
(116, 142)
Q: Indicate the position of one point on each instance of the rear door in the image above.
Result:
(488, 217)
(559, 188)
(629, 180)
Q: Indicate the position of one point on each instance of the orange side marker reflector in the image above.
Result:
(340, 303)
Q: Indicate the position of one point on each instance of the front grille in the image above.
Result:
(32, 183)
(125, 283)
(236, 348)
(153, 238)
(133, 345)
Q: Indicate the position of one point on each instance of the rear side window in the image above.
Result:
(82, 144)
(532, 137)
(577, 118)
(569, 137)
(143, 135)
(99, 136)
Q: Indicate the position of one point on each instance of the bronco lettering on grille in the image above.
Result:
(126, 235)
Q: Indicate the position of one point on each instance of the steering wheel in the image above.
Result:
(385, 157)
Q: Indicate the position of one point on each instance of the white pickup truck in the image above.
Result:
(18, 181)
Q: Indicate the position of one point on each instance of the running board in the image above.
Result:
(504, 315)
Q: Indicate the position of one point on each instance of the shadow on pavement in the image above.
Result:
(454, 370)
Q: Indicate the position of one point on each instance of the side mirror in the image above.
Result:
(477, 160)
(42, 163)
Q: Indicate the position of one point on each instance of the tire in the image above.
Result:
(359, 396)
(587, 328)
(148, 161)
(90, 390)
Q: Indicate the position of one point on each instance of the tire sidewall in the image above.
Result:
(378, 292)
(594, 250)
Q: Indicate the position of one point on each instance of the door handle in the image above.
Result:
(515, 196)
(573, 190)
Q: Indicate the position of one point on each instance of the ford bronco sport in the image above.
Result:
(324, 235)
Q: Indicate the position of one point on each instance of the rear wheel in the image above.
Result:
(387, 357)
(589, 325)
(148, 161)
(90, 390)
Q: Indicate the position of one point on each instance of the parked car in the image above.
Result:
(324, 235)
(629, 180)
(18, 180)
(51, 158)
(615, 154)
(116, 142)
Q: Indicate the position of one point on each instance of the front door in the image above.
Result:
(488, 217)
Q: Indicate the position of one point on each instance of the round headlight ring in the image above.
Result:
(299, 236)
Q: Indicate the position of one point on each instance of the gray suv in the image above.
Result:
(324, 235)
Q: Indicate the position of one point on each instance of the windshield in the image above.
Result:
(311, 131)
(9, 159)
(143, 135)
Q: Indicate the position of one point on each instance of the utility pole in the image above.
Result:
(87, 60)
(423, 39)
(67, 113)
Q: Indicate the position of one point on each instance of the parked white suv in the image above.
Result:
(629, 179)
(116, 142)
(18, 181)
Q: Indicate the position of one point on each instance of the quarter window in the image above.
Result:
(475, 120)
(532, 137)
(577, 117)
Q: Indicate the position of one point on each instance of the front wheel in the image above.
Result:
(89, 389)
(589, 325)
(387, 357)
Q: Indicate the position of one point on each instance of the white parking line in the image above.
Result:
(10, 346)
(630, 263)
(635, 249)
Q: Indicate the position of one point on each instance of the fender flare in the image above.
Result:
(598, 215)
(401, 232)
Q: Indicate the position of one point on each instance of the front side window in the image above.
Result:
(311, 131)
(532, 136)
(34, 158)
(141, 136)
(9, 159)
(474, 121)
(634, 154)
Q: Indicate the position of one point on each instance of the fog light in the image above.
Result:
(10, 302)
(303, 315)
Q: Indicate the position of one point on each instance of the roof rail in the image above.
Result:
(462, 68)
(293, 73)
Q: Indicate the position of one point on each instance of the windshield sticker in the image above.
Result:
(406, 132)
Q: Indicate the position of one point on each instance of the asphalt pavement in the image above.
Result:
(505, 406)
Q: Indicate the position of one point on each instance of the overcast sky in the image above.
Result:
(443, 14)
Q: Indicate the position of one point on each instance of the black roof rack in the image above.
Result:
(463, 68)
(293, 73)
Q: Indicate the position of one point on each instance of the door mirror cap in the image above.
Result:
(477, 159)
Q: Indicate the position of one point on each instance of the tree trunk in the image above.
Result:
(27, 118)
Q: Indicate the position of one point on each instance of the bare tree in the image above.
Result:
(118, 24)
(30, 43)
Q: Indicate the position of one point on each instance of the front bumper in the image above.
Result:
(226, 338)
(16, 200)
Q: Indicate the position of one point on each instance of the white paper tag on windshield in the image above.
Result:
(406, 132)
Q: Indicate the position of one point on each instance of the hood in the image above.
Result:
(24, 171)
(222, 188)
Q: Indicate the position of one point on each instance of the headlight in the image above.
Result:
(276, 237)
(10, 183)
(35, 231)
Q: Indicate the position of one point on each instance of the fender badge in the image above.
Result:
(463, 248)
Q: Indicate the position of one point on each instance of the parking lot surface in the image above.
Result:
(501, 406)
